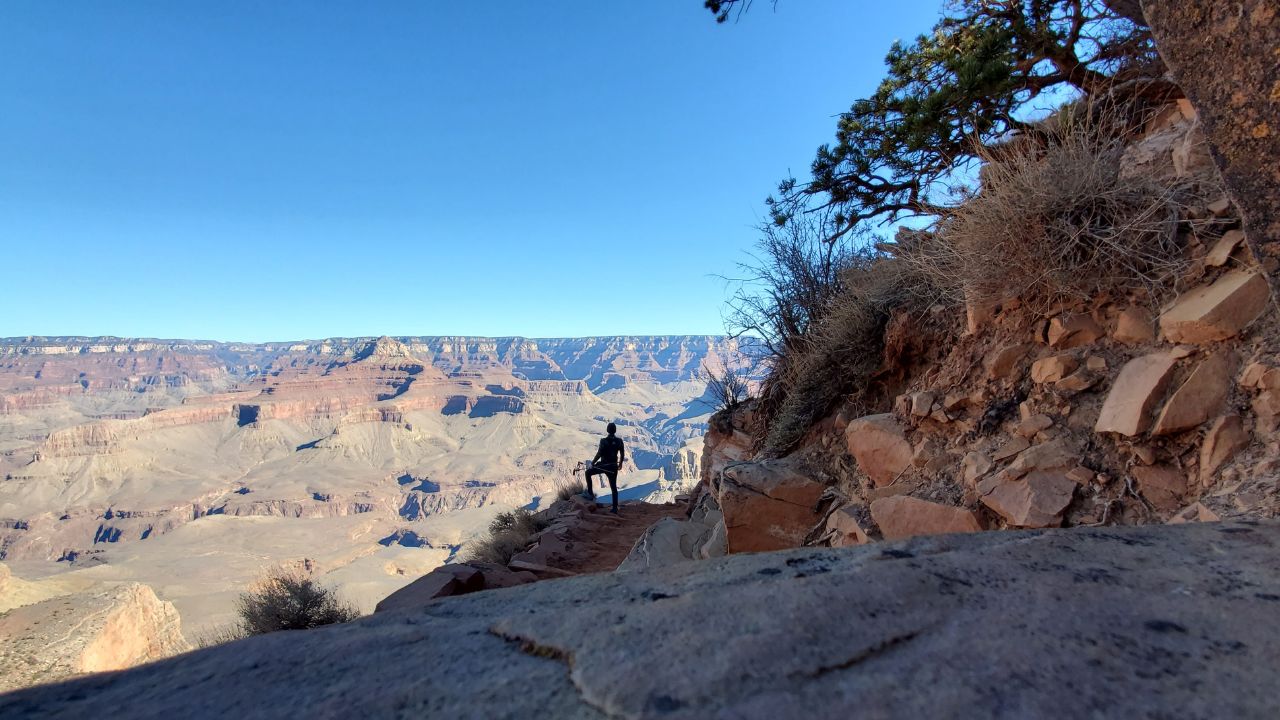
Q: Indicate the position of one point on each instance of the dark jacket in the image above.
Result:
(611, 453)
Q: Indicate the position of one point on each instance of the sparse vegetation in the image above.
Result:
(1055, 221)
(566, 489)
(726, 390)
(283, 599)
(509, 533)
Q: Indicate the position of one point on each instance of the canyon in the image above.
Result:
(193, 467)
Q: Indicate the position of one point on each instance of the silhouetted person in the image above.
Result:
(607, 462)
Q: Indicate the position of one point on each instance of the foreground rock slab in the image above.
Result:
(1174, 620)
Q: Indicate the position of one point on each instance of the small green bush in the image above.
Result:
(509, 533)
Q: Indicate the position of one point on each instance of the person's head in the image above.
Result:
(611, 428)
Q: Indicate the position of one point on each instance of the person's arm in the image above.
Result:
(599, 452)
(622, 453)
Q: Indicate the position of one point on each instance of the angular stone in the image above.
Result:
(847, 526)
(1136, 390)
(1003, 362)
(1032, 425)
(1036, 501)
(767, 506)
(1073, 331)
(1011, 448)
(1200, 397)
(880, 446)
(904, 517)
(921, 403)
(1222, 249)
(1253, 374)
(1225, 438)
(1096, 364)
(1217, 311)
(1050, 455)
(973, 466)
(1161, 485)
(1077, 382)
(1196, 512)
(1053, 368)
(1134, 326)
(444, 581)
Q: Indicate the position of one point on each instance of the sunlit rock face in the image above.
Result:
(139, 459)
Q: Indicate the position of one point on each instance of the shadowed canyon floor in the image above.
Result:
(1115, 622)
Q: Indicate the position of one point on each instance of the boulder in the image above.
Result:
(926, 627)
(880, 446)
(1134, 326)
(1004, 362)
(670, 541)
(767, 506)
(1035, 501)
(1201, 397)
(973, 466)
(1225, 438)
(1053, 368)
(904, 516)
(444, 581)
(845, 526)
(1222, 249)
(1137, 389)
(1161, 485)
(1069, 331)
(1217, 311)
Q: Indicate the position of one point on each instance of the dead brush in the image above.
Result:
(509, 533)
(1055, 222)
(844, 348)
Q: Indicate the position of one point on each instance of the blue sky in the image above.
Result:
(255, 171)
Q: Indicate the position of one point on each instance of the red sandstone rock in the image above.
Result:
(1053, 368)
(1161, 485)
(880, 446)
(1135, 392)
(1223, 248)
(847, 528)
(1003, 362)
(1225, 438)
(904, 516)
(1073, 331)
(1200, 397)
(768, 506)
(1134, 326)
(1036, 501)
(1217, 311)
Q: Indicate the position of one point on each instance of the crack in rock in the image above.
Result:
(866, 654)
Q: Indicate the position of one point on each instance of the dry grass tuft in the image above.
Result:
(1055, 222)
(509, 534)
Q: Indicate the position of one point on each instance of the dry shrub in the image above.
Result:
(566, 489)
(843, 349)
(509, 534)
(1055, 222)
(284, 599)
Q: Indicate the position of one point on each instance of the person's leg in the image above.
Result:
(613, 488)
(589, 473)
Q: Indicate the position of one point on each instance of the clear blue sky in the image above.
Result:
(244, 170)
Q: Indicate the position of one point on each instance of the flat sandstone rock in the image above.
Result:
(1171, 621)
